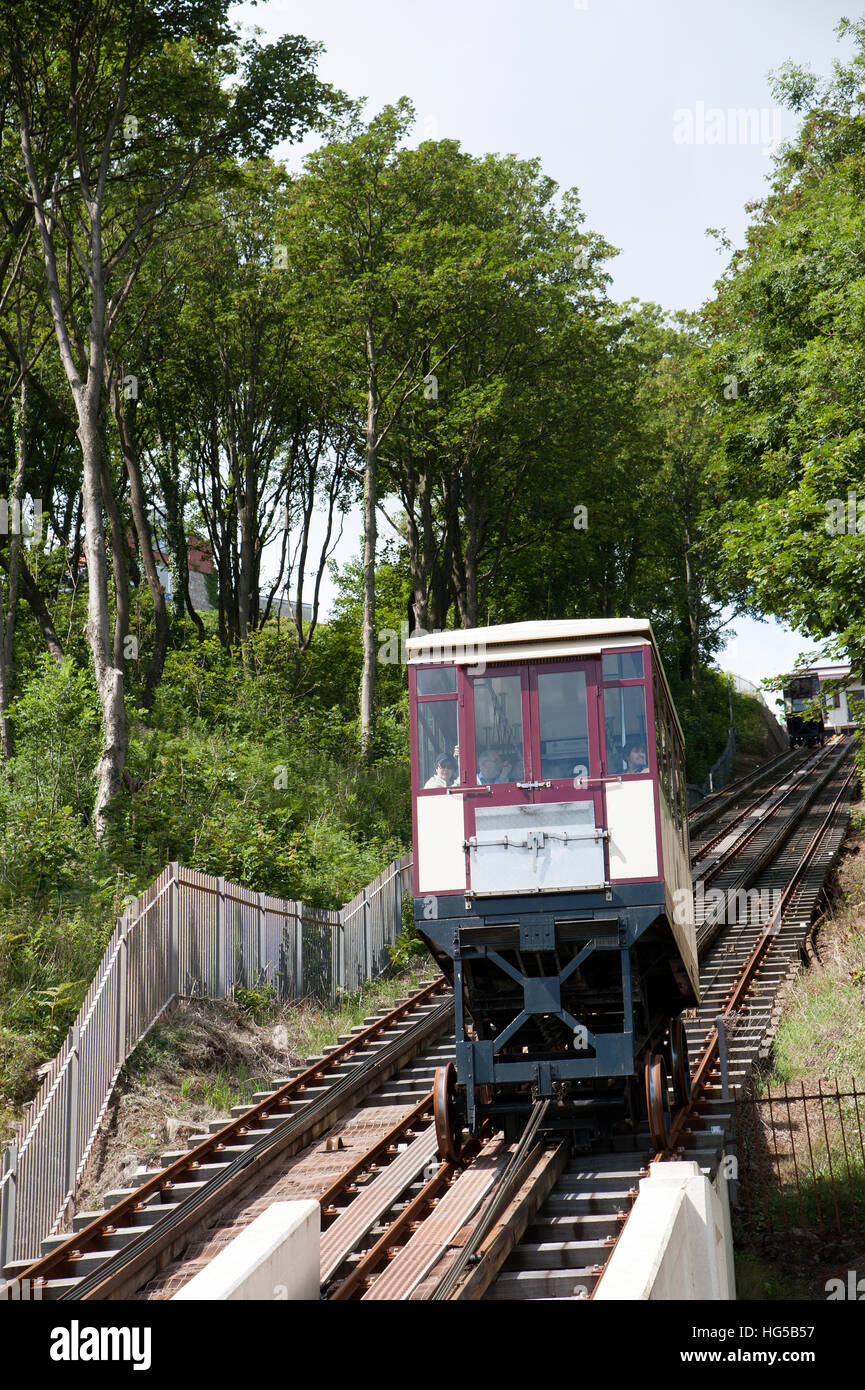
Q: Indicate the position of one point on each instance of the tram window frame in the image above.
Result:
(671, 765)
(453, 697)
(611, 683)
(521, 759)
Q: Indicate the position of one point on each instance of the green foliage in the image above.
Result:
(242, 770)
(260, 1004)
(759, 1279)
(787, 324)
(56, 720)
(408, 946)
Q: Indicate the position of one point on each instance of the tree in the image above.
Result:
(79, 73)
(784, 375)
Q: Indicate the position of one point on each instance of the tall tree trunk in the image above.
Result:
(5, 726)
(175, 531)
(471, 549)
(109, 675)
(86, 392)
(15, 538)
(693, 592)
(247, 515)
(119, 568)
(370, 536)
(129, 453)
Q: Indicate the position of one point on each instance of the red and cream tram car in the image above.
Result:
(551, 873)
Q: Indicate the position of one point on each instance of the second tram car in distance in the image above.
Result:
(803, 708)
(551, 874)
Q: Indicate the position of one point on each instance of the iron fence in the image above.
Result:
(802, 1159)
(189, 933)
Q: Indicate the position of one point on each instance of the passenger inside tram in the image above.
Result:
(634, 758)
(509, 770)
(625, 708)
(437, 733)
(489, 767)
(445, 772)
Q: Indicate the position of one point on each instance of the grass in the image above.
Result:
(312, 1027)
(758, 1279)
(822, 1032)
(222, 1091)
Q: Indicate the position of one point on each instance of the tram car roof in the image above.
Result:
(535, 641)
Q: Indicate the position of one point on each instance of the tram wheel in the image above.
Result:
(680, 1071)
(658, 1101)
(448, 1121)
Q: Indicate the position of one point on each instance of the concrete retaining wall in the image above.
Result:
(677, 1243)
(275, 1257)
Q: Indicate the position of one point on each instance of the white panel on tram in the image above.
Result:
(631, 823)
(440, 836)
(524, 848)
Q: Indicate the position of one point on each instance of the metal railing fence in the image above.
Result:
(189, 933)
(802, 1159)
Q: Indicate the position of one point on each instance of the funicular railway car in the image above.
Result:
(552, 879)
(803, 708)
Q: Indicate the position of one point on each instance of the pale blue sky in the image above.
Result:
(599, 91)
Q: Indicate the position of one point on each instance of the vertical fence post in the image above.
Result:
(173, 929)
(298, 946)
(367, 966)
(7, 1209)
(73, 1093)
(121, 993)
(221, 941)
(259, 935)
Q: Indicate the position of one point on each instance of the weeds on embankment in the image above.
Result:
(208, 1056)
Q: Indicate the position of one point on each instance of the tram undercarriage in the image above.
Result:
(580, 1006)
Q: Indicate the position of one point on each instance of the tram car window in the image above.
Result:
(552, 878)
(856, 704)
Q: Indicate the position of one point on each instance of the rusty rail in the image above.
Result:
(741, 985)
(62, 1262)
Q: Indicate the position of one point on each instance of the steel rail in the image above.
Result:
(257, 1157)
(61, 1262)
(376, 1157)
(522, 1160)
(710, 927)
(744, 840)
(704, 814)
(728, 826)
(408, 1221)
(763, 946)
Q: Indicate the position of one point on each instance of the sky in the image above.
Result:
(632, 102)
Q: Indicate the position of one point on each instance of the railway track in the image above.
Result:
(506, 1224)
(715, 807)
(112, 1253)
